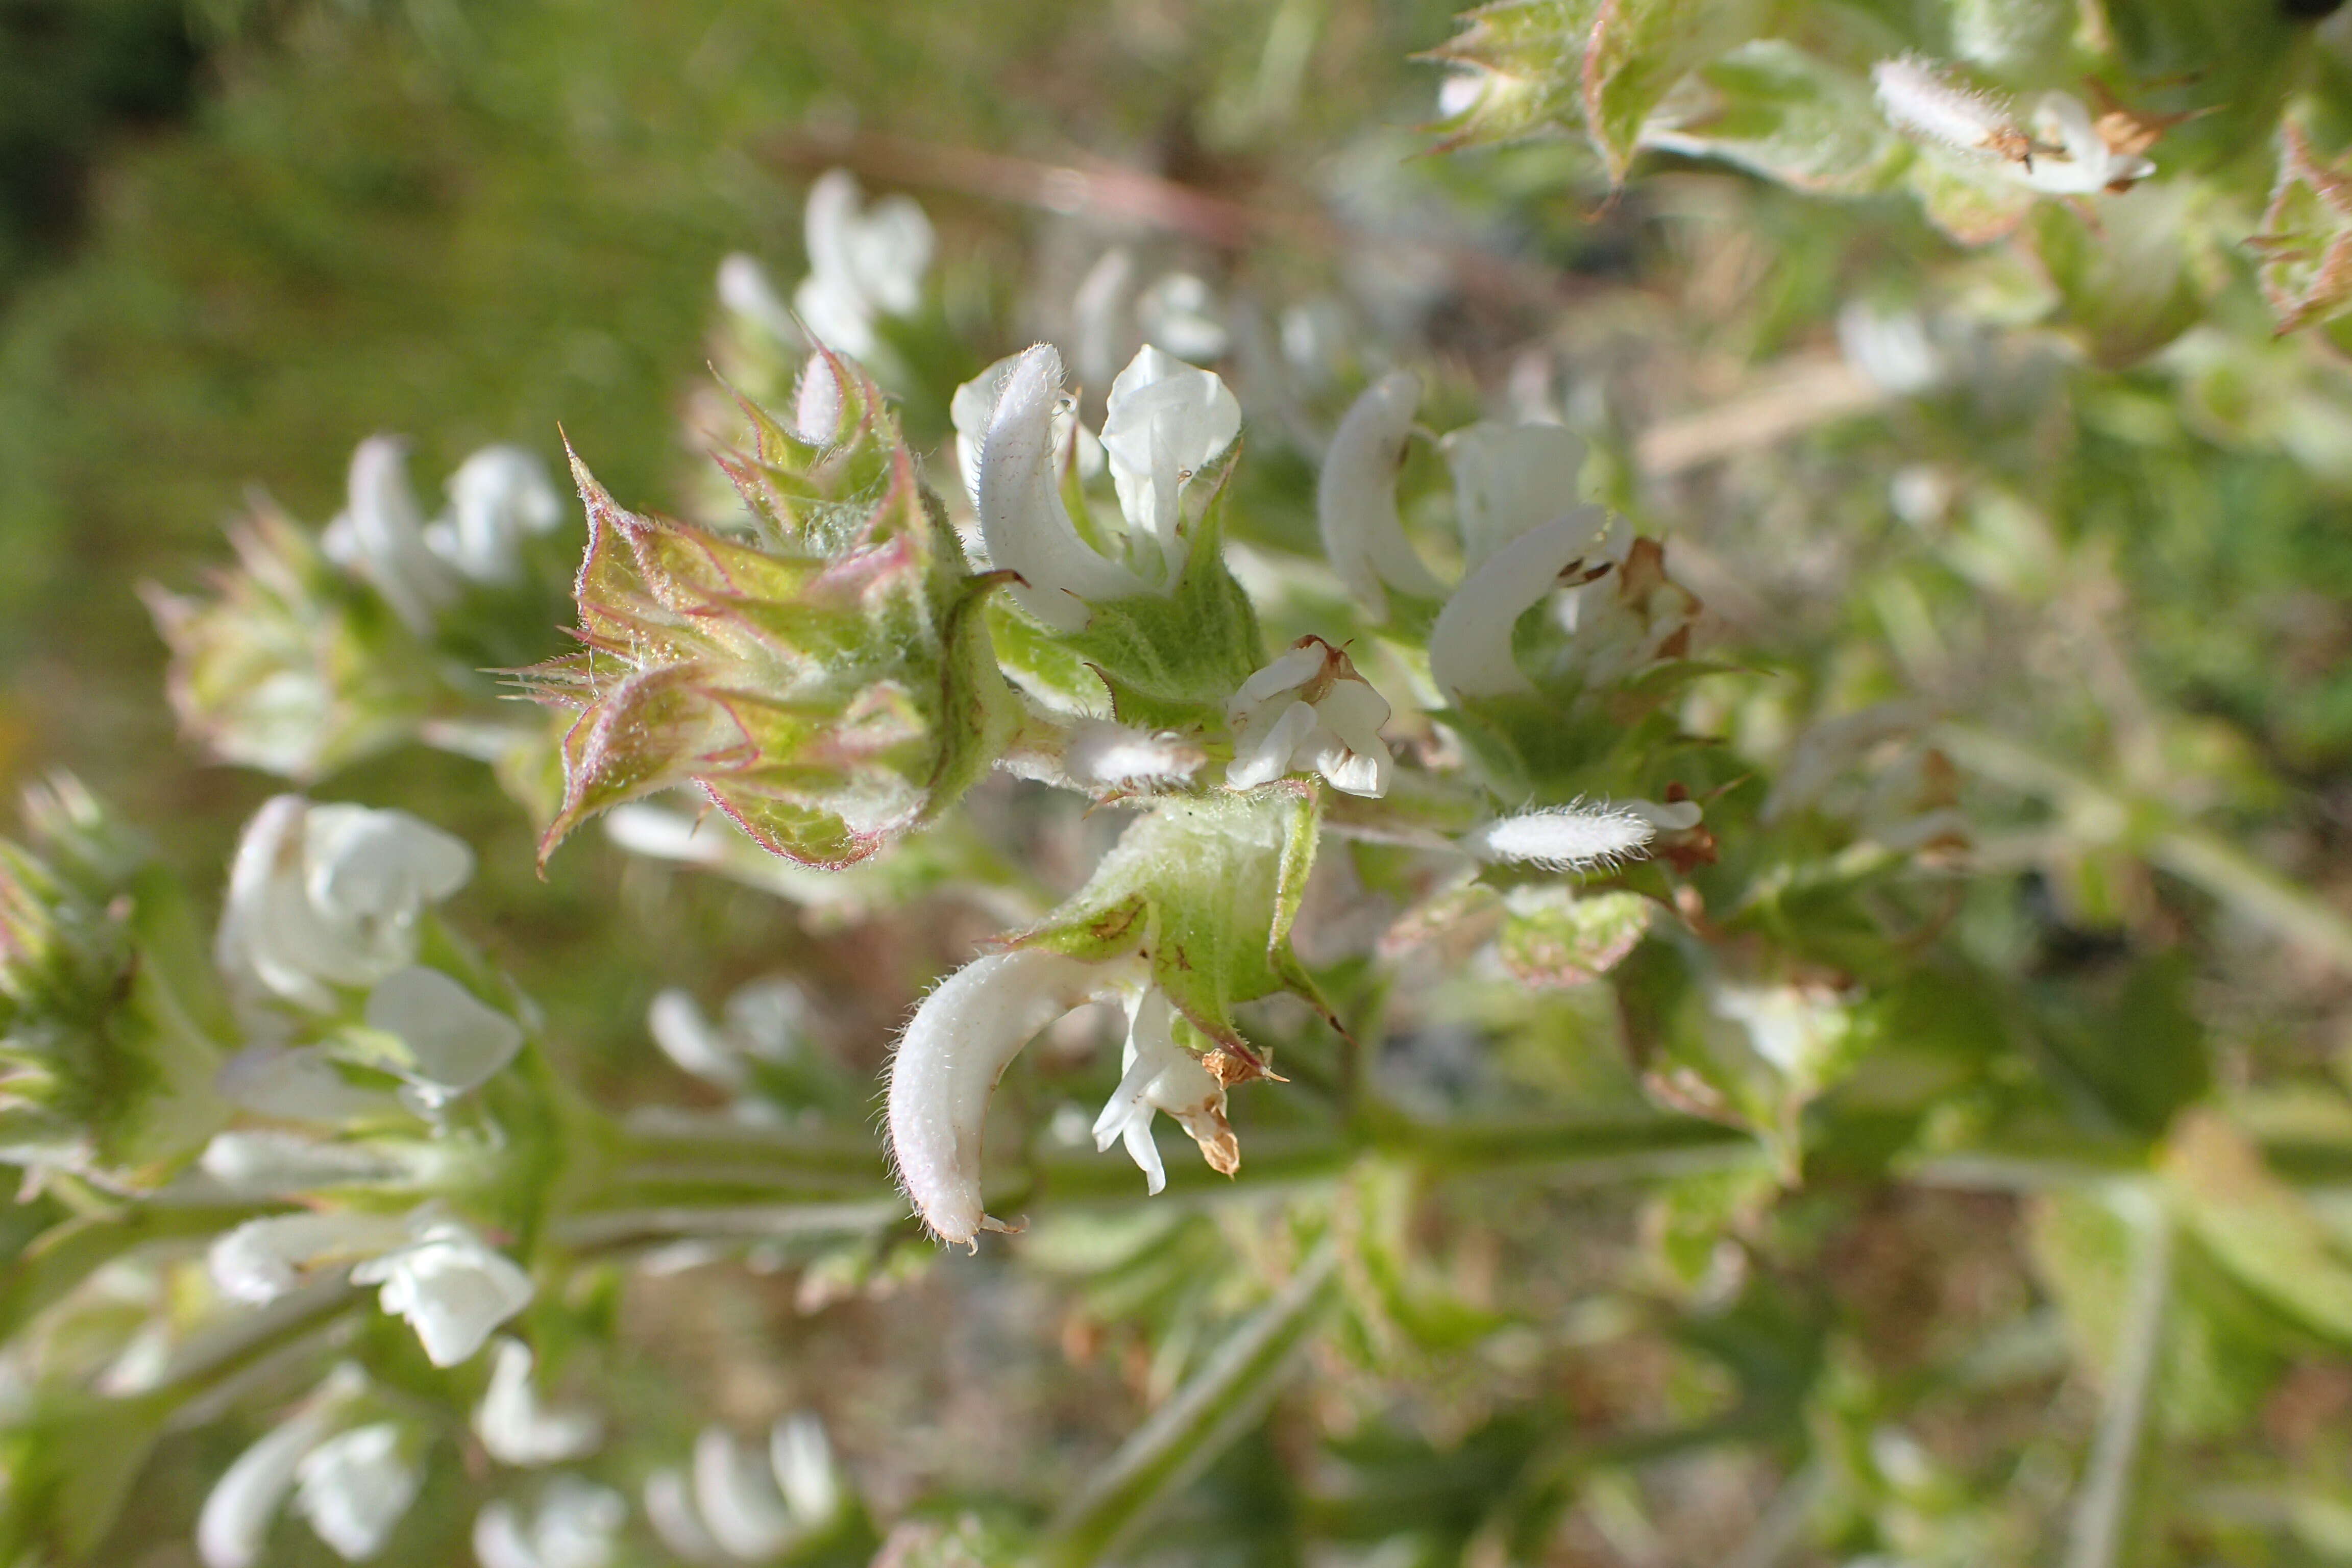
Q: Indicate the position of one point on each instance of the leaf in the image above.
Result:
(1206, 888)
(1637, 50)
(2128, 282)
(2255, 1225)
(1525, 58)
(1554, 937)
(1772, 108)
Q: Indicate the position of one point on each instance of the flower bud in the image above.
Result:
(829, 687)
(104, 1069)
(290, 666)
(2306, 241)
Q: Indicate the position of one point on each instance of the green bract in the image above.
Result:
(828, 682)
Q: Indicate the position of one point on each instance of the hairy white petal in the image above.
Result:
(955, 1048)
(1355, 496)
(1918, 98)
(816, 401)
(1470, 645)
(355, 1487)
(1564, 837)
(264, 1163)
(1018, 494)
(454, 1289)
(1508, 479)
(516, 1427)
(1105, 754)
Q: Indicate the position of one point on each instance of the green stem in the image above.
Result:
(2095, 1536)
(2201, 859)
(1224, 1400)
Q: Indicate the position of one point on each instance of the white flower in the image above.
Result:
(2071, 158)
(733, 1506)
(1470, 645)
(1309, 711)
(1564, 838)
(234, 1525)
(764, 1022)
(355, 1487)
(573, 1528)
(736, 1490)
(864, 262)
(1508, 479)
(497, 497)
(329, 895)
(968, 1031)
(1355, 496)
(802, 1461)
(1797, 1028)
(1165, 419)
(457, 1041)
(452, 1288)
(380, 535)
(1158, 1074)
(262, 1260)
(516, 1427)
(1180, 310)
(745, 288)
(1017, 492)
